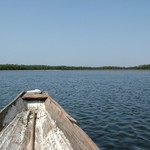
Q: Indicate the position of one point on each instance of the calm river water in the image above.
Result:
(113, 107)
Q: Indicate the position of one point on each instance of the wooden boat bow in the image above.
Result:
(36, 121)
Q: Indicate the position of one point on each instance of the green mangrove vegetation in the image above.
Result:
(46, 67)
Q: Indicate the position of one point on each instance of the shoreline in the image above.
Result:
(45, 67)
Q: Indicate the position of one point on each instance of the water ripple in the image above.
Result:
(113, 107)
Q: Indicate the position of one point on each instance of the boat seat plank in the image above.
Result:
(34, 96)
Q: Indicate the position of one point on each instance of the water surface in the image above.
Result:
(113, 107)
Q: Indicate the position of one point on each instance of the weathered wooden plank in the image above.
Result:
(34, 96)
(5, 110)
(77, 137)
(32, 138)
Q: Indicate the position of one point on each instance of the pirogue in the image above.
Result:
(34, 121)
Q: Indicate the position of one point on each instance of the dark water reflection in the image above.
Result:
(113, 107)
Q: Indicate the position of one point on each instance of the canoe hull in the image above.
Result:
(49, 120)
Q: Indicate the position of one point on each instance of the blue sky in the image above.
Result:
(75, 33)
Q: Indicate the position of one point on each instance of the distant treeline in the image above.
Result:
(45, 67)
